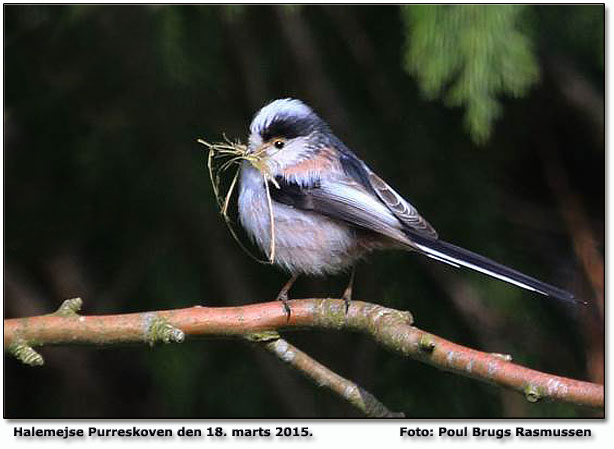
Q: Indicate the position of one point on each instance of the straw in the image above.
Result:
(223, 156)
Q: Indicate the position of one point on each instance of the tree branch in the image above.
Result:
(357, 396)
(390, 328)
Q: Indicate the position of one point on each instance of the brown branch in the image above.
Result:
(390, 328)
(324, 377)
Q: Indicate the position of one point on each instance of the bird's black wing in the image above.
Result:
(352, 202)
(343, 200)
(399, 206)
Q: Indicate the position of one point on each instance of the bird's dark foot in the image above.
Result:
(347, 294)
(283, 296)
(287, 309)
(347, 302)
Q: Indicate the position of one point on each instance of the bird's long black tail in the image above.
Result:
(455, 256)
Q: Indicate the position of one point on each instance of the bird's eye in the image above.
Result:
(279, 144)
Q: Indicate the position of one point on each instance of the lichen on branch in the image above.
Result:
(390, 328)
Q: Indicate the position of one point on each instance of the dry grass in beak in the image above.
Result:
(223, 156)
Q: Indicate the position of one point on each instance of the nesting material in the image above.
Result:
(224, 156)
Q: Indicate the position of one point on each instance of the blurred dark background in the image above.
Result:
(489, 119)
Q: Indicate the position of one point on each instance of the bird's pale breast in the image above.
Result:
(305, 242)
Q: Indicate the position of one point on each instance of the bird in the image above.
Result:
(330, 209)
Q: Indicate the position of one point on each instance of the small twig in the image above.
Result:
(25, 353)
(322, 376)
(69, 308)
(390, 328)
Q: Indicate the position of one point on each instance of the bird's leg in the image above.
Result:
(283, 294)
(347, 294)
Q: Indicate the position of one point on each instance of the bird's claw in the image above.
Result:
(347, 302)
(287, 309)
(283, 297)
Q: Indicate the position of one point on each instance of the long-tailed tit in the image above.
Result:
(330, 209)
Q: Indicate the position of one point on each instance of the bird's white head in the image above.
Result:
(285, 132)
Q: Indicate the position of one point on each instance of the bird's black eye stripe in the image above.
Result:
(289, 127)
